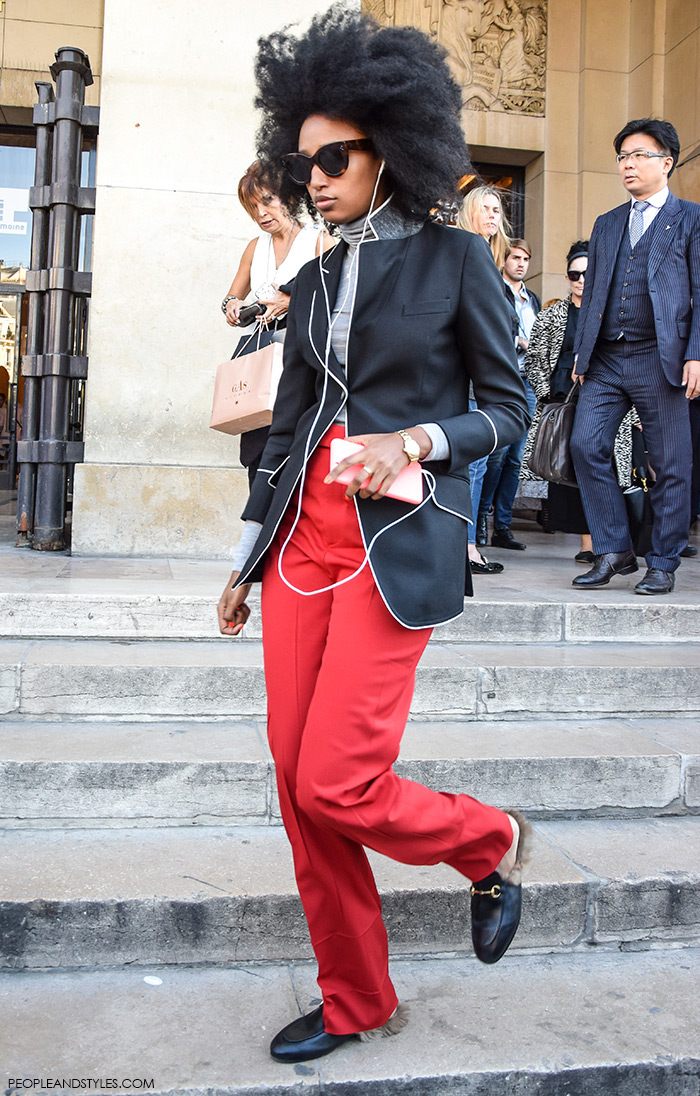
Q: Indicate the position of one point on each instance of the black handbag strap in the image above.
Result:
(639, 458)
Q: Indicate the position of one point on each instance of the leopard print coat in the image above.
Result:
(546, 339)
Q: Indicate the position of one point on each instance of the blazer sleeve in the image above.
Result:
(295, 395)
(692, 353)
(588, 286)
(485, 342)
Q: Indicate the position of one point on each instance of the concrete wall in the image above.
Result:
(176, 133)
(32, 31)
(607, 61)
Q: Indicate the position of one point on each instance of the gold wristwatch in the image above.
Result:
(410, 446)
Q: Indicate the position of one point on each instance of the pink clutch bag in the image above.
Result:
(408, 485)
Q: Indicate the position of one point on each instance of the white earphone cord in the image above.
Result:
(352, 287)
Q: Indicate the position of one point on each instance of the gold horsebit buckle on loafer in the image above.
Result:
(495, 891)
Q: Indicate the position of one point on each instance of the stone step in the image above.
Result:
(593, 1024)
(223, 678)
(507, 615)
(193, 773)
(84, 898)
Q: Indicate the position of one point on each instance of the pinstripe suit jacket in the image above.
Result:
(674, 282)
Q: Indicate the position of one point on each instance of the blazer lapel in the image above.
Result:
(379, 266)
(664, 224)
(318, 328)
(611, 242)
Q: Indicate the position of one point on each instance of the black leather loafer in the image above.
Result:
(503, 538)
(605, 566)
(689, 552)
(305, 1038)
(656, 581)
(486, 567)
(496, 903)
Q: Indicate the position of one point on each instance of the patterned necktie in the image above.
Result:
(637, 222)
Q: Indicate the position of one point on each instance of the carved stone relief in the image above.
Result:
(496, 48)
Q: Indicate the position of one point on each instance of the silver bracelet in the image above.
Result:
(225, 302)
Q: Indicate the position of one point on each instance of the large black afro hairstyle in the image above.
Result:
(393, 83)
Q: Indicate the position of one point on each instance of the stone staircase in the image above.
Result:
(142, 839)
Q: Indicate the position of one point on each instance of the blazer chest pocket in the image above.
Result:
(427, 308)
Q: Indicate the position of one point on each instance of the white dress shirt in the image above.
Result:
(656, 201)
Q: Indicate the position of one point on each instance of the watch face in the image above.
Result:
(410, 446)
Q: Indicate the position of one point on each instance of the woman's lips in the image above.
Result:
(323, 203)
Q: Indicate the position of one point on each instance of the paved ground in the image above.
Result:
(542, 573)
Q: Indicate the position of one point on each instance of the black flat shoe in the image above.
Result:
(656, 581)
(496, 903)
(605, 566)
(503, 538)
(584, 557)
(305, 1038)
(486, 567)
(688, 552)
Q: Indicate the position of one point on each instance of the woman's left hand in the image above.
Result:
(277, 306)
(384, 456)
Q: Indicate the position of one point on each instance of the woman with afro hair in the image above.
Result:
(384, 334)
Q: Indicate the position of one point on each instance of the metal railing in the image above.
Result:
(55, 365)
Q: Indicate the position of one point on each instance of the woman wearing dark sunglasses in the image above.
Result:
(384, 336)
(548, 366)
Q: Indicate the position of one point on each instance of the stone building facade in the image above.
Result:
(546, 84)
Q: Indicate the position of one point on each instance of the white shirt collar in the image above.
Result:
(657, 200)
(520, 293)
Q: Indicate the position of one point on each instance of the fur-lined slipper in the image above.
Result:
(496, 902)
(393, 1026)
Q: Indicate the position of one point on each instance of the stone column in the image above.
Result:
(176, 133)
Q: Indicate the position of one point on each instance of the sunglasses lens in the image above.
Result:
(574, 275)
(333, 159)
(299, 167)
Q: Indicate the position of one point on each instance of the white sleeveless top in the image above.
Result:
(263, 269)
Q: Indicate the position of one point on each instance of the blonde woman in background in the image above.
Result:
(482, 213)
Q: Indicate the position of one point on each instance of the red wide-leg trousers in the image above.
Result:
(340, 675)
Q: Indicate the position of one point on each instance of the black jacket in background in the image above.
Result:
(510, 297)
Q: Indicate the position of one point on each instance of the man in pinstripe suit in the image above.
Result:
(638, 342)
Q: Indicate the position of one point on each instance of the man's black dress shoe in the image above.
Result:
(497, 903)
(688, 552)
(482, 533)
(605, 566)
(486, 567)
(305, 1038)
(656, 581)
(503, 538)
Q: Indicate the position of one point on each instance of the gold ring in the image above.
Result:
(367, 470)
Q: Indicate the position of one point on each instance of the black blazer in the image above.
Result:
(674, 281)
(429, 316)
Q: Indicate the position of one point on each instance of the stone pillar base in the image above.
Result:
(156, 510)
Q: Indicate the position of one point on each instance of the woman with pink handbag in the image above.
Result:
(385, 333)
(266, 272)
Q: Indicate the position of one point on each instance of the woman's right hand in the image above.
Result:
(232, 310)
(232, 610)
